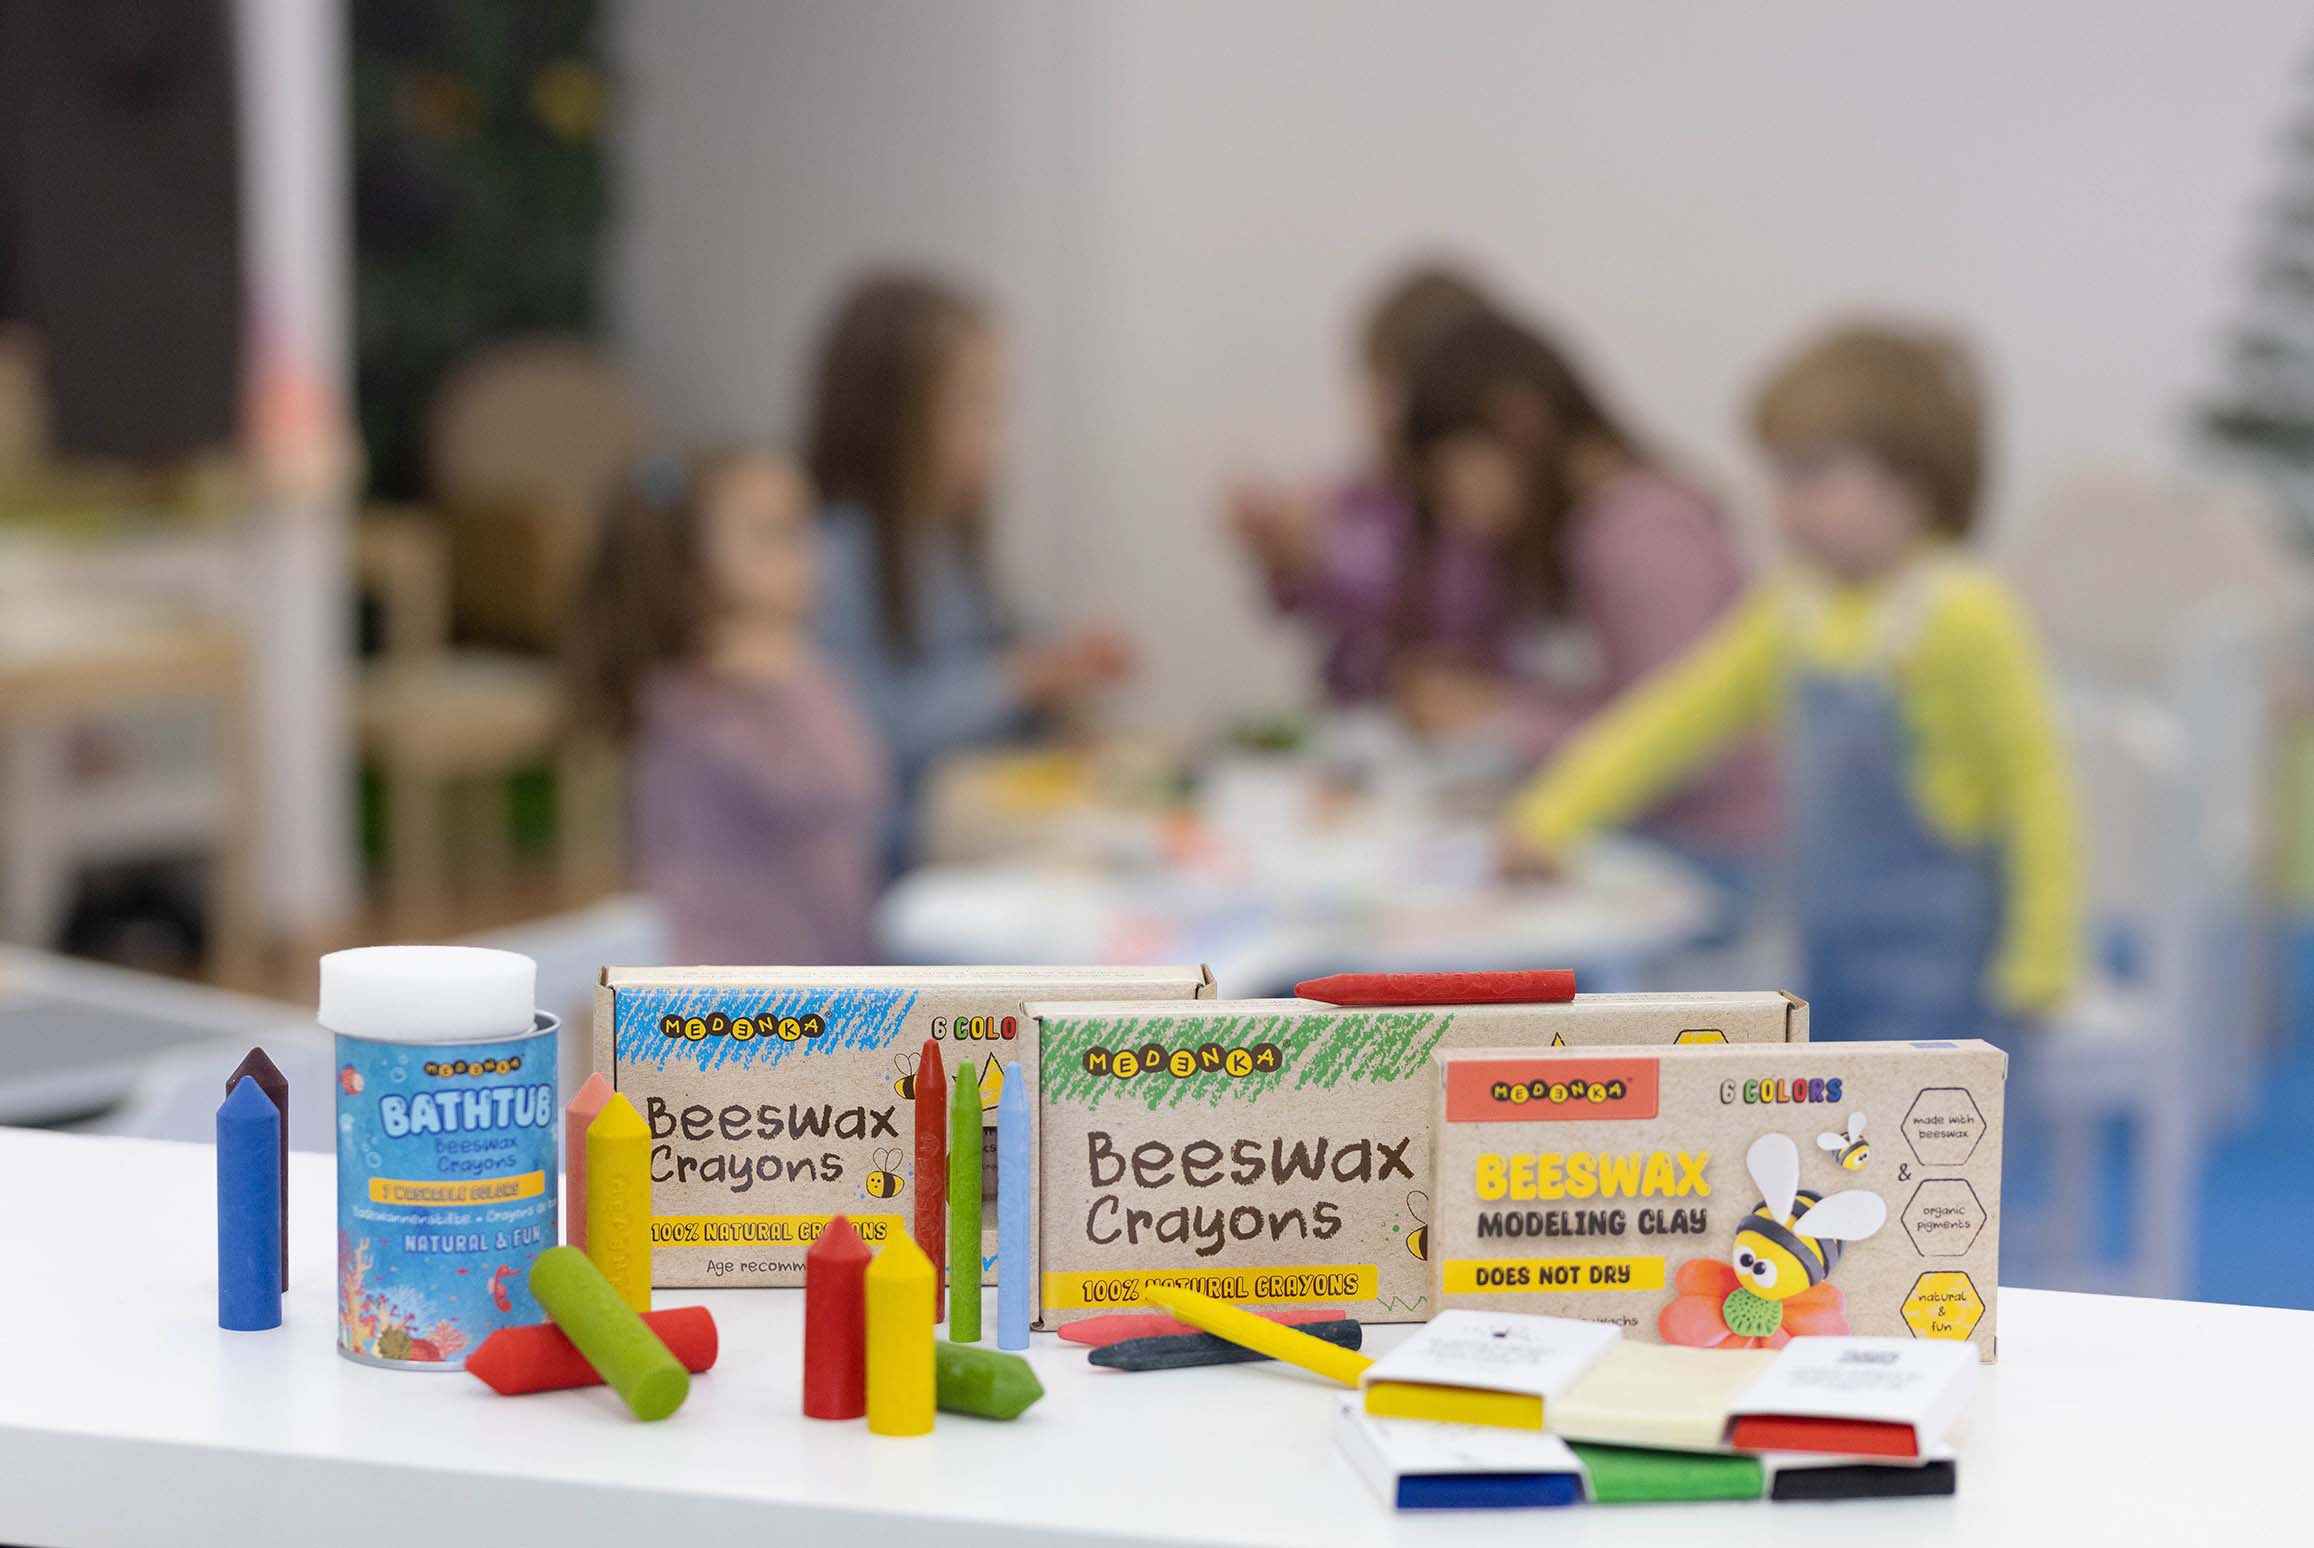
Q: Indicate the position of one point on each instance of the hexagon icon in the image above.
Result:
(1701, 1035)
(1943, 1126)
(1943, 1304)
(1943, 1217)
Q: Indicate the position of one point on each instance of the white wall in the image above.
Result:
(1182, 204)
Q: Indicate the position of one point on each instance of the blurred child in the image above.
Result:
(1613, 568)
(1338, 560)
(1932, 813)
(907, 432)
(756, 788)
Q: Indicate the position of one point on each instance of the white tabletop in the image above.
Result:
(127, 1417)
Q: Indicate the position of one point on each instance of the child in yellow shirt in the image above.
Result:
(1930, 803)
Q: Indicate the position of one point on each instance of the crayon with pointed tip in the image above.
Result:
(619, 1200)
(248, 1209)
(1290, 1345)
(581, 1112)
(540, 1357)
(901, 1365)
(835, 1324)
(969, 1379)
(1180, 1351)
(258, 1065)
(1012, 1175)
(1116, 1327)
(964, 1155)
(932, 1166)
(1537, 986)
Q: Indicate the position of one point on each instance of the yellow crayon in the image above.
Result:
(901, 1383)
(1274, 1339)
(619, 1199)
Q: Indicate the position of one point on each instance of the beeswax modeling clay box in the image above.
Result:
(780, 1096)
(1277, 1152)
(1728, 1197)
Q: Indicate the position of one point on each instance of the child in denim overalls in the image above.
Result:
(1931, 811)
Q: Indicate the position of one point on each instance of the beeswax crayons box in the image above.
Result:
(778, 1097)
(1728, 1197)
(1277, 1152)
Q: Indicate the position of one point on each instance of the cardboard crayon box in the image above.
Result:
(1728, 1197)
(778, 1097)
(1277, 1152)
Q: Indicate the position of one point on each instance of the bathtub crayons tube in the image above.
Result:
(446, 1156)
(901, 1369)
(258, 1065)
(248, 1210)
(618, 1343)
(619, 1199)
(932, 1166)
(575, 1118)
(1012, 1174)
(964, 1142)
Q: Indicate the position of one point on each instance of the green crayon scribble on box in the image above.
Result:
(1367, 1047)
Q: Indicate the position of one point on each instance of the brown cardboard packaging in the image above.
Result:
(1278, 1151)
(1624, 1188)
(780, 1096)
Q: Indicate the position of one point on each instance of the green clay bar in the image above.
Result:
(973, 1379)
(616, 1342)
(1630, 1474)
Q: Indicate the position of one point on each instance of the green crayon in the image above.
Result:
(971, 1380)
(616, 1342)
(964, 1208)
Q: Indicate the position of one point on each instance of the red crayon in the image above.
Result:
(1100, 1332)
(1533, 986)
(583, 1110)
(541, 1357)
(259, 1066)
(932, 1167)
(835, 1324)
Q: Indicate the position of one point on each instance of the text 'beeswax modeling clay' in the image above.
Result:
(1532, 987)
(1013, 1162)
(1180, 1351)
(619, 1199)
(835, 1324)
(582, 1111)
(259, 1067)
(539, 1357)
(248, 1210)
(1119, 1326)
(932, 1167)
(900, 1363)
(1273, 1339)
(985, 1382)
(964, 1156)
(615, 1341)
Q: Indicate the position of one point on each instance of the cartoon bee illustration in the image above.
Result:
(1851, 1149)
(1790, 1242)
(905, 1063)
(883, 1181)
(1418, 1239)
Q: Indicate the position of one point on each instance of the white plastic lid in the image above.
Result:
(428, 994)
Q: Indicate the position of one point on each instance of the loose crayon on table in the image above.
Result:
(615, 1341)
(248, 1209)
(1180, 1351)
(932, 1167)
(1290, 1345)
(1529, 987)
(540, 1357)
(901, 1380)
(972, 1380)
(1116, 1327)
(964, 1156)
(835, 1324)
(258, 1065)
(1012, 1173)
(619, 1199)
(581, 1112)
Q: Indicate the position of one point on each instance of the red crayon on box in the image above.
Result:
(932, 1168)
(541, 1357)
(1099, 1332)
(1529, 986)
(835, 1324)
(583, 1110)
(258, 1065)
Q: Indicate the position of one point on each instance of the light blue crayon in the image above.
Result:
(1012, 1164)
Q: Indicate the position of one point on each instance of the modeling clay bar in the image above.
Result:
(1717, 1197)
(1277, 1152)
(1469, 1367)
(541, 1358)
(776, 1097)
(1822, 1478)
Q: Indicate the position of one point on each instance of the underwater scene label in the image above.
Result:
(1123, 1287)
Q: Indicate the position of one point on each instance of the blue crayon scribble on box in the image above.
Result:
(857, 1020)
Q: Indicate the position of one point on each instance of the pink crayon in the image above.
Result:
(582, 1111)
(1119, 1326)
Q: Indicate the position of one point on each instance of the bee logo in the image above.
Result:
(1851, 1149)
(883, 1182)
(905, 1063)
(1418, 1239)
(1791, 1240)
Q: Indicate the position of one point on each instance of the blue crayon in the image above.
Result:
(248, 1209)
(1012, 1164)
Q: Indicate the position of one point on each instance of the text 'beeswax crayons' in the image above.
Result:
(615, 1341)
(541, 1358)
(619, 1199)
(986, 1382)
(964, 1154)
(1116, 1327)
(1180, 1351)
(248, 1210)
(835, 1324)
(1534, 987)
(932, 1166)
(258, 1065)
(1012, 1172)
(1293, 1347)
(581, 1112)
(901, 1380)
